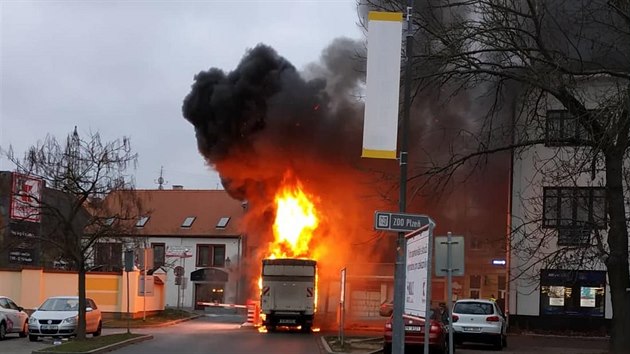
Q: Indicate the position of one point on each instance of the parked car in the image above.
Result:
(479, 321)
(414, 334)
(58, 317)
(13, 319)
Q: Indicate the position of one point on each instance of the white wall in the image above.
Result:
(530, 174)
(231, 250)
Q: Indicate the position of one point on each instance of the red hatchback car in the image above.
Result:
(414, 334)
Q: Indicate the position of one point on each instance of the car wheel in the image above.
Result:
(98, 330)
(498, 342)
(32, 338)
(3, 330)
(24, 332)
(387, 348)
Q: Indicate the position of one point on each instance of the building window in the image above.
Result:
(142, 221)
(159, 254)
(223, 222)
(108, 257)
(502, 283)
(210, 255)
(564, 129)
(574, 211)
(188, 222)
(572, 293)
(475, 244)
(475, 286)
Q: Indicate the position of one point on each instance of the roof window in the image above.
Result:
(189, 221)
(142, 221)
(223, 222)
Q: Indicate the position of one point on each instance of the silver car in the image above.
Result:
(58, 317)
(13, 319)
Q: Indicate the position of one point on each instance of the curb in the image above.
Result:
(104, 349)
(170, 323)
(330, 351)
(559, 336)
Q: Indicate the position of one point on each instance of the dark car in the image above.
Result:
(414, 334)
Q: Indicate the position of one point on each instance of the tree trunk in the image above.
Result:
(617, 263)
(82, 302)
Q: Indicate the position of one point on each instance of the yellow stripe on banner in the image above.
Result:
(379, 154)
(384, 16)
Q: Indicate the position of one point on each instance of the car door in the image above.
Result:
(90, 317)
(504, 325)
(20, 316)
(10, 314)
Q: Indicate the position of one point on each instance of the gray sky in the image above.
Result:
(122, 68)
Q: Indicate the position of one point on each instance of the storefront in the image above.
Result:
(579, 293)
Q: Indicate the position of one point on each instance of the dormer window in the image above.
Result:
(223, 222)
(188, 221)
(142, 221)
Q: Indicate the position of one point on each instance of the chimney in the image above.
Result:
(178, 187)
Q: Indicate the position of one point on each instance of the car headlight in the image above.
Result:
(32, 320)
(70, 320)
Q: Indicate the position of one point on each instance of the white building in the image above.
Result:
(557, 274)
(192, 232)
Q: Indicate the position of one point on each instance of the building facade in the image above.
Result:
(557, 219)
(196, 245)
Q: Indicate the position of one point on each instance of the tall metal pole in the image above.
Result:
(398, 330)
(449, 301)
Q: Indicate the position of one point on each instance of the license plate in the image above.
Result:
(49, 327)
(471, 329)
(413, 328)
(287, 321)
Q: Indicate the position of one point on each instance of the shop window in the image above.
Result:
(210, 255)
(572, 293)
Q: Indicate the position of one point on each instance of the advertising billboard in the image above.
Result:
(26, 196)
(416, 274)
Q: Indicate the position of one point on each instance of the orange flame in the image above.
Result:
(296, 219)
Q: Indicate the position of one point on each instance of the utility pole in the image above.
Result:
(398, 330)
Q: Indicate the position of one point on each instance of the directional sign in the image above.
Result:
(399, 222)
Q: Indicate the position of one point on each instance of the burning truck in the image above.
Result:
(288, 293)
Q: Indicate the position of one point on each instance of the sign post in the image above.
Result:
(419, 229)
(342, 306)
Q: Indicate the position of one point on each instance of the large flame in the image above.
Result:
(296, 219)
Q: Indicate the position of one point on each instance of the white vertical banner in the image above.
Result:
(380, 125)
(416, 274)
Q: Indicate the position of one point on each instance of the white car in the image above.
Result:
(479, 321)
(13, 319)
(58, 317)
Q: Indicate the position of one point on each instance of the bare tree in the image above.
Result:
(528, 56)
(78, 175)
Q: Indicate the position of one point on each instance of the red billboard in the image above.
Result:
(26, 196)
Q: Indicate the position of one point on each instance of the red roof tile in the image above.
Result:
(167, 210)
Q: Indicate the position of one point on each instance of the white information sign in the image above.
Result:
(416, 273)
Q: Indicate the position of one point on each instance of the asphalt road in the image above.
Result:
(207, 335)
(224, 335)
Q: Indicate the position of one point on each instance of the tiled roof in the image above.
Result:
(168, 209)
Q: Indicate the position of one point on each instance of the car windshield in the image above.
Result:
(473, 308)
(60, 305)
